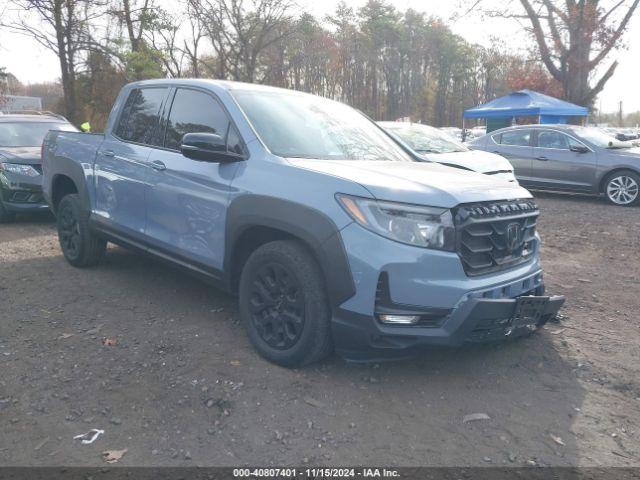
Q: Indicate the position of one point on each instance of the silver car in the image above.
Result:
(569, 158)
(434, 145)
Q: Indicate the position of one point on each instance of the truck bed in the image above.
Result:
(71, 155)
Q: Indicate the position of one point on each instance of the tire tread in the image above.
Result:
(319, 342)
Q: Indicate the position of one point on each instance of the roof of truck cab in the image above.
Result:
(203, 82)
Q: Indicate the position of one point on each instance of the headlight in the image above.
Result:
(20, 169)
(428, 227)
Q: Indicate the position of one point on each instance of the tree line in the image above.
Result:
(388, 63)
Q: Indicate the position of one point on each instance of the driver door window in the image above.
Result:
(194, 112)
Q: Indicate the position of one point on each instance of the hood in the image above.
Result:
(30, 155)
(420, 183)
(476, 160)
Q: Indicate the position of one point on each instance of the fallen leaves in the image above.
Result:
(109, 342)
(112, 456)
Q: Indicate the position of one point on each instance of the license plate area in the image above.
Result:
(529, 311)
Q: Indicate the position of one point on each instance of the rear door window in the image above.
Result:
(140, 116)
(193, 111)
(551, 139)
(516, 138)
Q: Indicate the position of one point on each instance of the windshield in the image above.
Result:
(424, 139)
(28, 134)
(599, 138)
(306, 126)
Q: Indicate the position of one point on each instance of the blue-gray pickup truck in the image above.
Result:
(334, 237)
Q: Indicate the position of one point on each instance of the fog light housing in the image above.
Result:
(400, 319)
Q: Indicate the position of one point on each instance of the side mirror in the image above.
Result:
(579, 149)
(207, 147)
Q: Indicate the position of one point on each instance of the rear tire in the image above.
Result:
(6, 216)
(284, 305)
(622, 188)
(80, 246)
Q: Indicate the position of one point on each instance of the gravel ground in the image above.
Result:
(178, 383)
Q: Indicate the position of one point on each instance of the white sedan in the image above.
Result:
(436, 146)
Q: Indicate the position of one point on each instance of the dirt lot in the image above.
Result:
(183, 386)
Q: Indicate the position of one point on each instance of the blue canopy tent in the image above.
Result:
(525, 103)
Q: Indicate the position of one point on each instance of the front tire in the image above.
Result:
(80, 246)
(284, 305)
(6, 216)
(622, 188)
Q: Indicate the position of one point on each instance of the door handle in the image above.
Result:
(108, 153)
(158, 165)
(542, 159)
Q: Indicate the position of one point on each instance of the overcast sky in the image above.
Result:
(31, 63)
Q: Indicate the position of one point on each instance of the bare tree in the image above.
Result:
(194, 40)
(61, 27)
(140, 22)
(162, 34)
(241, 31)
(134, 15)
(178, 40)
(574, 39)
(3, 85)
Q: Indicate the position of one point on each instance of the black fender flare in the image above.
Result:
(66, 167)
(314, 228)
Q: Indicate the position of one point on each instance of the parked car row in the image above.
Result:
(623, 134)
(335, 235)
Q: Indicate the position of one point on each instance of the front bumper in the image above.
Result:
(20, 193)
(392, 276)
(359, 337)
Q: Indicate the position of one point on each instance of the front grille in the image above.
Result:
(495, 236)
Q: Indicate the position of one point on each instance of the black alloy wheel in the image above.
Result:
(277, 306)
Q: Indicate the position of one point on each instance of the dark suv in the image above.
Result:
(20, 164)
